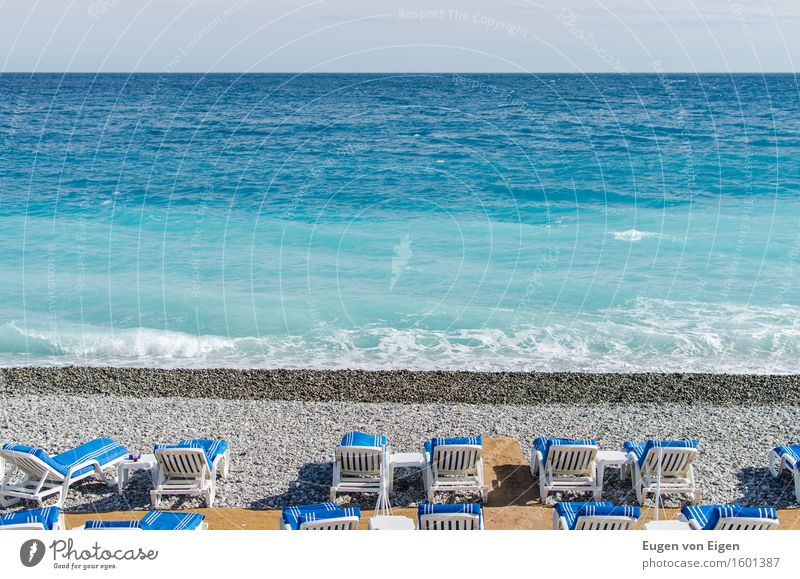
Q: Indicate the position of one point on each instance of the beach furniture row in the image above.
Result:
(189, 467)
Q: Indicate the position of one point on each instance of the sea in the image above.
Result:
(499, 222)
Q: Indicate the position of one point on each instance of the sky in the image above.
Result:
(399, 35)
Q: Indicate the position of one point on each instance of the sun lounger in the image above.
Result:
(359, 464)
(450, 517)
(786, 458)
(729, 518)
(320, 517)
(564, 464)
(46, 519)
(454, 464)
(153, 521)
(593, 516)
(672, 458)
(189, 468)
(44, 475)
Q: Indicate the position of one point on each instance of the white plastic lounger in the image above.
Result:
(320, 517)
(594, 516)
(786, 459)
(676, 474)
(454, 464)
(450, 517)
(729, 518)
(153, 521)
(190, 468)
(43, 475)
(46, 519)
(563, 464)
(359, 464)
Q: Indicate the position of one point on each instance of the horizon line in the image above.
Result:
(505, 72)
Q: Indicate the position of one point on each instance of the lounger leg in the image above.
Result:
(333, 493)
(774, 461)
(154, 498)
(209, 496)
(797, 484)
(542, 490)
(225, 464)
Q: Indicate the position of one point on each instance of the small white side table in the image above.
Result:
(608, 458)
(145, 462)
(404, 460)
(666, 526)
(391, 523)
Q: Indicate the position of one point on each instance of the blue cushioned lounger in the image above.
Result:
(661, 466)
(597, 516)
(731, 517)
(154, 521)
(360, 464)
(46, 475)
(454, 464)
(47, 518)
(468, 517)
(323, 516)
(786, 458)
(565, 464)
(190, 468)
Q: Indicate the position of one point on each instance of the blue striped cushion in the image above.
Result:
(790, 451)
(357, 438)
(469, 509)
(640, 449)
(211, 448)
(164, 521)
(103, 450)
(295, 516)
(434, 442)
(707, 516)
(112, 525)
(47, 516)
(543, 444)
(574, 511)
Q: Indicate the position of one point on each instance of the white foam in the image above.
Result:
(632, 235)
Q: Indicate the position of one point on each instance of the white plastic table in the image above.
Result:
(391, 523)
(404, 460)
(666, 526)
(145, 462)
(608, 458)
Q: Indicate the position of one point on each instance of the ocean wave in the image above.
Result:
(645, 335)
(633, 235)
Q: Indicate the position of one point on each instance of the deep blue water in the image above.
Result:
(605, 222)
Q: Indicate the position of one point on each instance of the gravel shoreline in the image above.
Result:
(281, 449)
(405, 386)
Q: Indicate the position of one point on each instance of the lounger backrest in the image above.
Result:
(339, 524)
(600, 523)
(30, 465)
(675, 461)
(363, 461)
(449, 522)
(744, 524)
(571, 460)
(455, 459)
(188, 463)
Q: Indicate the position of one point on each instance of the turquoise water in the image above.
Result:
(515, 222)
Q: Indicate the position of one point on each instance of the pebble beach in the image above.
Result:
(281, 448)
